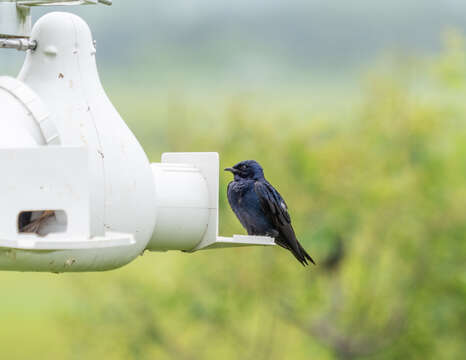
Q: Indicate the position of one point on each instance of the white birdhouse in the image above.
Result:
(78, 192)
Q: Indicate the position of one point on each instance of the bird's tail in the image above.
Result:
(305, 256)
(298, 251)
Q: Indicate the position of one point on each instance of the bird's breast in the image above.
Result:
(240, 188)
(247, 206)
(243, 196)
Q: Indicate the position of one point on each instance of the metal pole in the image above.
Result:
(18, 44)
(60, 2)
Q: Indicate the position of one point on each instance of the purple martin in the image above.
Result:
(261, 209)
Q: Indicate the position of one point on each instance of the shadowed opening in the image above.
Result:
(42, 222)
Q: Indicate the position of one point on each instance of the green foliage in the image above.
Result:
(378, 197)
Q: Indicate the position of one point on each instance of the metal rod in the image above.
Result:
(61, 2)
(18, 44)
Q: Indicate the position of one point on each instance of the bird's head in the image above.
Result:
(248, 169)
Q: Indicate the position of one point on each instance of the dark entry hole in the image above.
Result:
(42, 222)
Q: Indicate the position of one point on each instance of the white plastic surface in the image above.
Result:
(31, 113)
(239, 240)
(182, 203)
(14, 21)
(64, 148)
(62, 70)
(116, 192)
(47, 177)
(59, 242)
(52, 178)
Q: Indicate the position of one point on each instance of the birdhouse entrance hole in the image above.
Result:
(42, 222)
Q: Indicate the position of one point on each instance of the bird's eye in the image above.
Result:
(244, 167)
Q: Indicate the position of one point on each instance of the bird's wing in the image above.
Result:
(233, 206)
(230, 200)
(276, 209)
(272, 204)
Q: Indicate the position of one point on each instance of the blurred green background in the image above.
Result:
(357, 112)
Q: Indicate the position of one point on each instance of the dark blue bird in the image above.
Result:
(261, 209)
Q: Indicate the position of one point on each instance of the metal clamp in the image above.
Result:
(61, 2)
(15, 18)
(18, 44)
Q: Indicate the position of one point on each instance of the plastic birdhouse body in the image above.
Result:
(79, 193)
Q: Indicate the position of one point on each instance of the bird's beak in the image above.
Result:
(232, 170)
